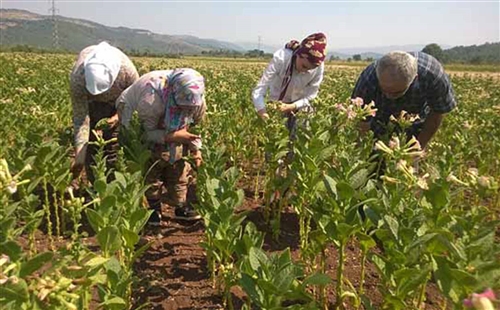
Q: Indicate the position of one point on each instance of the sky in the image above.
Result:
(347, 24)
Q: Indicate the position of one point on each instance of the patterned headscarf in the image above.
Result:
(313, 48)
(183, 93)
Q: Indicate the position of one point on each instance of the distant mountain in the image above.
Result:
(384, 49)
(484, 53)
(364, 56)
(267, 48)
(19, 27)
(371, 55)
(211, 43)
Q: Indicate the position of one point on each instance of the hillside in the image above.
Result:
(19, 27)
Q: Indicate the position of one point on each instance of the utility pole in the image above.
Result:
(260, 41)
(55, 33)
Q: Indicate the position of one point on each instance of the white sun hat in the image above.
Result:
(101, 68)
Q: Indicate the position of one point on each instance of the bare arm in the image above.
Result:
(429, 128)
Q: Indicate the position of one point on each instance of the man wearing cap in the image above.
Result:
(413, 82)
(97, 79)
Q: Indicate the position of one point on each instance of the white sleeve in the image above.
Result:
(312, 89)
(259, 92)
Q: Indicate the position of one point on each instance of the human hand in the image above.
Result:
(287, 107)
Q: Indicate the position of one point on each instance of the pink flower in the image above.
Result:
(351, 114)
(357, 101)
(481, 301)
(394, 143)
(340, 107)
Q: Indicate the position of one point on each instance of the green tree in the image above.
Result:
(434, 50)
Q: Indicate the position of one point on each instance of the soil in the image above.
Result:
(173, 273)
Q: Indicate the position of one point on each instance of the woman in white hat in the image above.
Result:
(97, 79)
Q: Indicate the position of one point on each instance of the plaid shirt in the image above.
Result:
(430, 91)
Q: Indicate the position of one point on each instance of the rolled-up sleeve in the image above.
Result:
(259, 92)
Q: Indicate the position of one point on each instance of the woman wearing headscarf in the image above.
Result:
(168, 103)
(100, 74)
(293, 76)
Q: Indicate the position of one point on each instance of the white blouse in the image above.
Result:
(302, 88)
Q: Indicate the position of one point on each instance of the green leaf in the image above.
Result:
(95, 219)
(96, 261)
(411, 279)
(114, 302)
(285, 258)
(381, 264)
(139, 218)
(141, 251)
(120, 178)
(345, 190)
(108, 204)
(394, 303)
(331, 185)
(100, 187)
(130, 237)
(11, 249)
(443, 279)
(367, 302)
(438, 196)
(366, 242)
(109, 239)
(345, 231)
(284, 278)
(326, 153)
(393, 225)
(257, 257)
(113, 266)
(32, 265)
(249, 285)
(463, 277)
(15, 291)
(317, 279)
(359, 178)
(212, 185)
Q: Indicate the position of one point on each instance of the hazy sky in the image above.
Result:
(346, 23)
